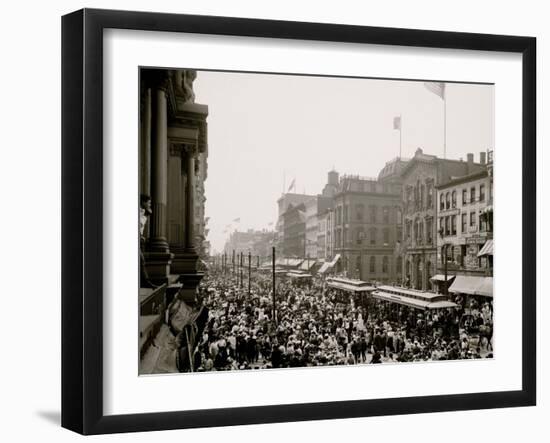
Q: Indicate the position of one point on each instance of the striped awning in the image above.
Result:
(487, 249)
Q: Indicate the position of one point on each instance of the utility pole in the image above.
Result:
(445, 268)
(249, 270)
(274, 297)
(241, 269)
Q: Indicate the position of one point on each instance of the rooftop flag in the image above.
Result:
(292, 185)
(437, 88)
(397, 123)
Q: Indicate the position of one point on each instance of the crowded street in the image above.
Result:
(317, 326)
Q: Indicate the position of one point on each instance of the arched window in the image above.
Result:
(448, 200)
(385, 265)
(372, 265)
(441, 201)
(358, 264)
(454, 199)
(399, 266)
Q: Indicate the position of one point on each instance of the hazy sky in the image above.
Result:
(263, 127)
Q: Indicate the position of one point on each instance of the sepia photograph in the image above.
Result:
(298, 221)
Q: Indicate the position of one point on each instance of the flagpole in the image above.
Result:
(400, 135)
(445, 126)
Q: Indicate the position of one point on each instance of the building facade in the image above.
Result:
(283, 203)
(465, 222)
(420, 178)
(365, 228)
(313, 207)
(173, 168)
(294, 235)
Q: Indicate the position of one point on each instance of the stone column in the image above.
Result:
(190, 204)
(159, 257)
(159, 172)
(145, 145)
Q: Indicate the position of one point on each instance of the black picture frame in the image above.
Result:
(82, 231)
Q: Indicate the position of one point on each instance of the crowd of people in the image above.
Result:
(313, 325)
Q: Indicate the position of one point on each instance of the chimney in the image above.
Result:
(470, 162)
(482, 158)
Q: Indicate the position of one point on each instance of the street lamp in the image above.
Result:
(444, 252)
(361, 247)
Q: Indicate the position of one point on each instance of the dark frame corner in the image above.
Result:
(82, 70)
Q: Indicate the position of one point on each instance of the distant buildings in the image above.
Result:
(258, 243)
(283, 203)
(395, 228)
(315, 208)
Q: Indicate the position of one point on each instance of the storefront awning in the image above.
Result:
(441, 277)
(465, 285)
(328, 265)
(486, 287)
(487, 249)
(472, 285)
(399, 299)
(307, 264)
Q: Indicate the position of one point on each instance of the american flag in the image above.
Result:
(437, 88)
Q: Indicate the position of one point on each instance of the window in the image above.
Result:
(359, 235)
(386, 236)
(472, 218)
(420, 231)
(346, 213)
(372, 267)
(441, 202)
(372, 187)
(373, 214)
(359, 209)
(464, 222)
(385, 265)
(430, 195)
(464, 197)
(429, 228)
(399, 216)
(481, 193)
(454, 199)
(421, 196)
(472, 194)
(482, 220)
(448, 201)
(447, 227)
(386, 214)
(442, 225)
(372, 233)
(453, 225)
